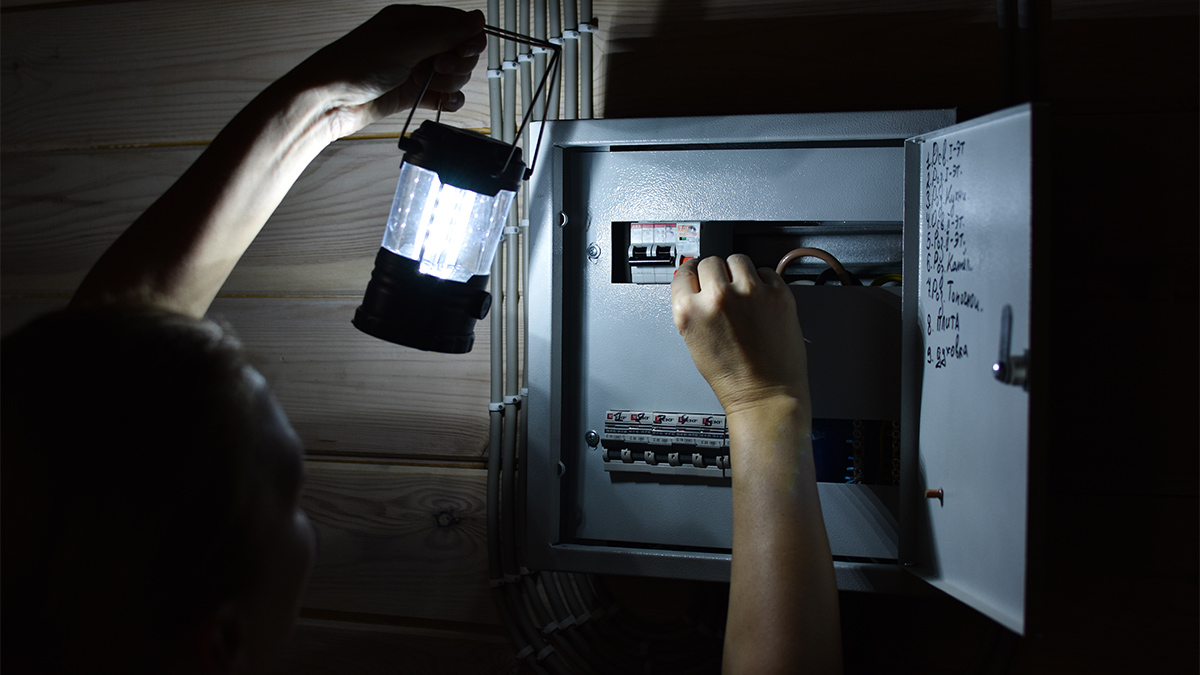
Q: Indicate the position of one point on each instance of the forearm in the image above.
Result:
(783, 606)
(178, 253)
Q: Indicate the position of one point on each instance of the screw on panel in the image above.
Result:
(592, 438)
(593, 251)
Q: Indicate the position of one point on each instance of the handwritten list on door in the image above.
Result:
(950, 300)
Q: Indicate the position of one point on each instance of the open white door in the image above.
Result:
(969, 188)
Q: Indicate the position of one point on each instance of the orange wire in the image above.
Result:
(841, 272)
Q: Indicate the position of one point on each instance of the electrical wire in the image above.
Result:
(842, 274)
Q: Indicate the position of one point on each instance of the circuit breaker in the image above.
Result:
(921, 229)
(656, 250)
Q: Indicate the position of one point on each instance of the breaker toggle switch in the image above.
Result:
(656, 250)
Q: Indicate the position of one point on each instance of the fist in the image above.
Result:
(740, 326)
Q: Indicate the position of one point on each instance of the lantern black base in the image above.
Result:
(403, 306)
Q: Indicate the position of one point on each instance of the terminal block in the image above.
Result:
(656, 250)
(672, 443)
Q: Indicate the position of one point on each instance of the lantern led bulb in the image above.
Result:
(453, 233)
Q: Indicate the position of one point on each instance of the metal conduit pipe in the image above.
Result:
(567, 622)
(525, 61)
(509, 66)
(496, 380)
(519, 640)
(621, 652)
(512, 386)
(501, 549)
(545, 657)
(539, 54)
(600, 654)
(554, 28)
(494, 72)
(508, 516)
(525, 651)
(586, 29)
(509, 445)
(570, 60)
(560, 640)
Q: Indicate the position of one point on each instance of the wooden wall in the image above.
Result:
(105, 102)
(104, 105)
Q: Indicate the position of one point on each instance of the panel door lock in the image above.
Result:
(1010, 368)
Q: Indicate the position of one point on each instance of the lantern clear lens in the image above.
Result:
(453, 233)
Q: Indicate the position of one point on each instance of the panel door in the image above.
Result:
(969, 214)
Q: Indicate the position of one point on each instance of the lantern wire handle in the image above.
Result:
(553, 67)
(417, 103)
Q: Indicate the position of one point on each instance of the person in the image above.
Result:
(740, 326)
(151, 482)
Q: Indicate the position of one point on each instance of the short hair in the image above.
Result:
(130, 485)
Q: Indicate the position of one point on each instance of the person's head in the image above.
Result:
(150, 497)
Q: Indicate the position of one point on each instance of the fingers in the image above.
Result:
(684, 286)
(713, 272)
(685, 280)
(427, 31)
(770, 278)
(742, 272)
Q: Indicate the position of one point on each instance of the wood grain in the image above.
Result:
(60, 211)
(165, 71)
(347, 393)
(399, 541)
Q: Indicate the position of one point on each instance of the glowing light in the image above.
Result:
(453, 233)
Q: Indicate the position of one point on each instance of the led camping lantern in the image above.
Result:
(455, 191)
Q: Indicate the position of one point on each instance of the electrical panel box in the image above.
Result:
(920, 429)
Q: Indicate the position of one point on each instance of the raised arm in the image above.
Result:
(179, 252)
(740, 326)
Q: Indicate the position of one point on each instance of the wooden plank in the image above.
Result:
(162, 71)
(347, 393)
(165, 71)
(322, 646)
(399, 541)
(62, 210)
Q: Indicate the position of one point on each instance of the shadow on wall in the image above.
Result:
(697, 59)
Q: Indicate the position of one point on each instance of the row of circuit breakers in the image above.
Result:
(682, 444)
(697, 445)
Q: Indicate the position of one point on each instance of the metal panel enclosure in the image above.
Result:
(597, 345)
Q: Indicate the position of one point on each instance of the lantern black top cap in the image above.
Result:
(465, 159)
